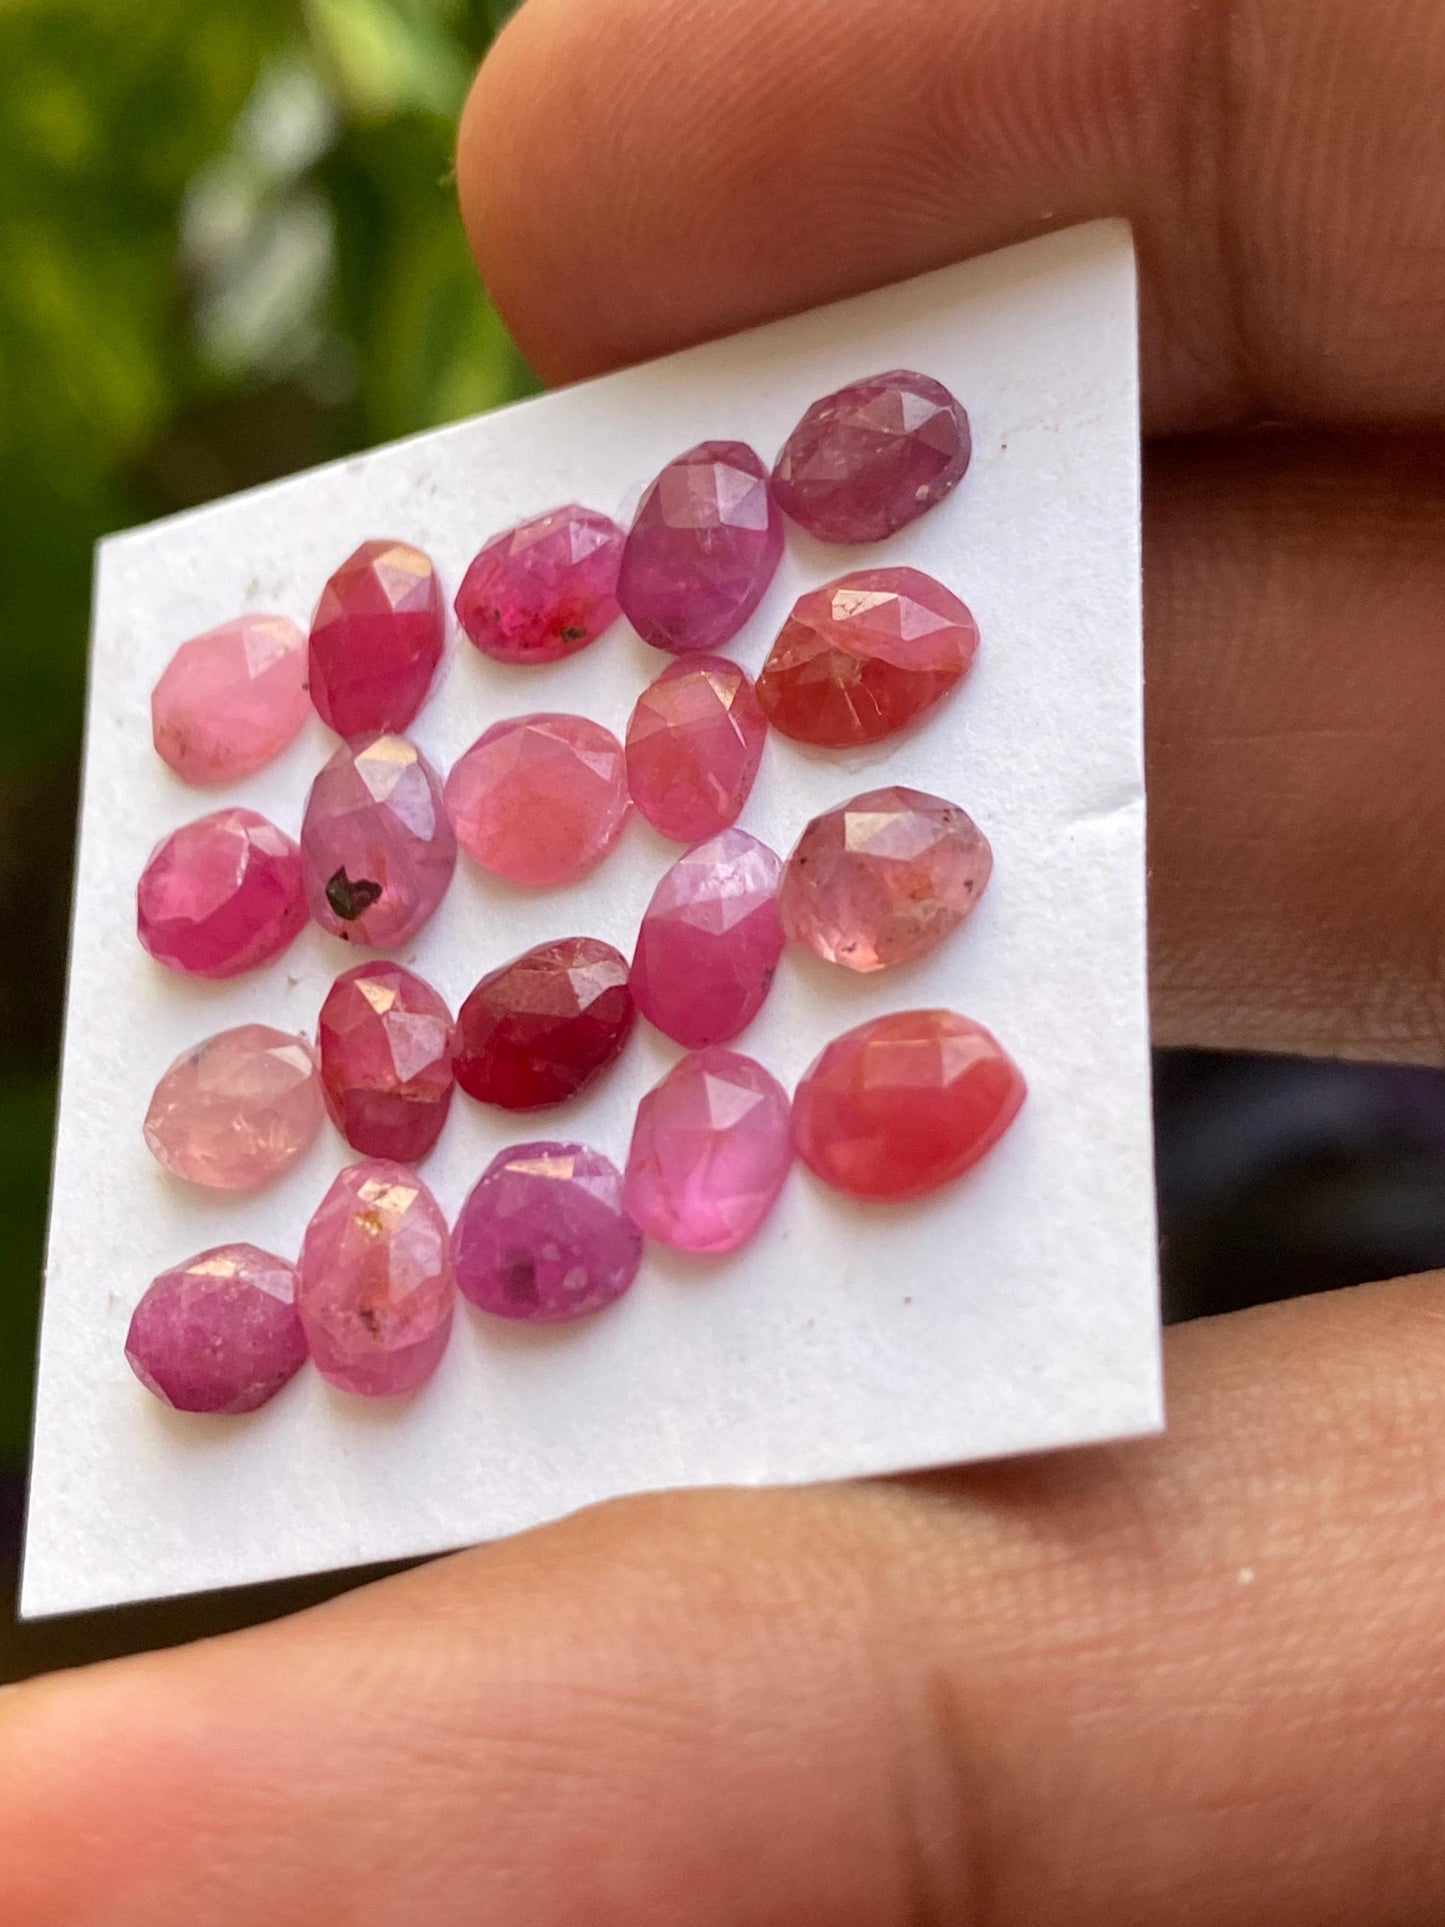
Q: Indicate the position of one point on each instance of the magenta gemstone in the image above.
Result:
(543, 1235)
(539, 1030)
(539, 799)
(231, 699)
(702, 549)
(376, 639)
(219, 1333)
(377, 847)
(221, 895)
(693, 747)
(544, 589)
(237, 1110)
(710, 941)
(385, 1040)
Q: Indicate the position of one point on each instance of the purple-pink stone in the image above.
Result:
(221, 895)
(219, 1333)
(710, 940)
(543, 1235)
(377, 846)
(545, 589)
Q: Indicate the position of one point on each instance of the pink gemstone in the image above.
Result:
(710, 941)
(693, 747)
(238, 1110)
(881, 879)
(376, 639)
(377, 1285)
(230, 700)
(872, 457)
(540, 1028)
(544, 589)
(385, 1040)
(219, 1333)
(710, 1151)
(702, 549)
(377, 847)
(539, 799)
(221, 895)
(543, 1235)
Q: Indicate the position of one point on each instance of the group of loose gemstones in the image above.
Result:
(552, 1230)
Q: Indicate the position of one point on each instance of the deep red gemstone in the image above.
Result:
(535, 1031)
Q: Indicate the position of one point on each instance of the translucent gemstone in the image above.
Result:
(376, 639)
(221, 895)
(544, 589)
(865, 656)
(231, 699)
(377, 1285)
(539, 799)
(905, 1103)
(710, 941)
(872, 457)
(710, 1152)
(702, 549)
(238, 1110)
(219, 1333)
(543, 1235)
(385, 1040)
(541, 1028)
(693, 747)
(377, 847)
(883, 878)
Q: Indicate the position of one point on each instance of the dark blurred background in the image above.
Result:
(229, 248)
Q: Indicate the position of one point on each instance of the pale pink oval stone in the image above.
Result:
(219, 1333)
(545, 589)
(710, 941)
(376, 639)
(377, 847)
(231, 699)
(237, 1110)
(221, 895)
(539, 799)
(693, 747)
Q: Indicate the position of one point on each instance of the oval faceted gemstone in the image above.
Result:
(238, 1110)
(231, 699)
(865, 656)
(377, 846)
(377, 1286)
(539, 799)
(905, 1103)
(540, 1028)
(221, 895)
(702, 549)
(710, 1151)
(376, 639)
(693, 747)
(543, 1235)
(710, 941)
(219, 1333)
(872, 457)
(883, 878)
(385, 1040)
(544, 589)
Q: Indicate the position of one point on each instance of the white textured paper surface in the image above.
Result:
(1014, 1311)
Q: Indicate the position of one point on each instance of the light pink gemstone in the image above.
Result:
(219, 1333)
(544, 589)
(543, 1235)
(238, 1110)
(221, 895)
(710, 1152)
(693, 747)
(377, 1285)
(231, 699)
(376, 639)
(710, 941)
(377, 847)
(539, 799)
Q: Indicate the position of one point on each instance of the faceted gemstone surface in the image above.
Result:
(544, 589)
(693, 747)
(540, 1028)
(377, 846)
(376, 639)
(231, 699)
(710, 1151)
(872, 457)
(219, 1333)
(905, 1103)
(238, 1110)
(710, 941)
(377, 1286)
(702, 549)
(385, 1039)
(883, 878)
(221, 895)
(539, 799)
(543, 1235)
(865, 656)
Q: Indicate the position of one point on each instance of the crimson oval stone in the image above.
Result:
(385, 1042)
(693, 747)
(376, 639)
(539, 799)
(221, 895)
(545, 589)
(540, 1028)
(377, 846)
(710, 941)
(231, 699)
(219, 1333)
(543, 1235)
(236, 1111)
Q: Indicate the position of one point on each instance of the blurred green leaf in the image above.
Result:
(27, 1120)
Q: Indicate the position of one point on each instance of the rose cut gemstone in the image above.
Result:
(539, 799)
(702, 549)
(221, 895)
(238, 1110)
(545, 589)
(377, 846)
(385, 1040)
(710, 941)
(231, 699)
(905, 1103)
(219, 1333)
(539, 1030)
(543, 1235)
(376, 640)
(693, 747)
(865, 656)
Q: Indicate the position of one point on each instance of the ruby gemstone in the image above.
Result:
(693, 747)
(376, 640)
(543, 1235)
(543, 1026)
(385, 1040)
(540, 799)
(377, 846)
(710, 941)
(221, 895)
(219, 1333)
(544, 589)
(237, 1110)
(231, 699)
